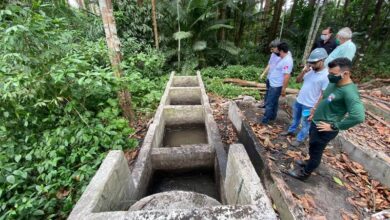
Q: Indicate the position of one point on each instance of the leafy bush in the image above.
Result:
(235, 71)
(58, 109)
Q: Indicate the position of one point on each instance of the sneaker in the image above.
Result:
(287, 133)
(299, 173)
(301, 163)
(296, 143)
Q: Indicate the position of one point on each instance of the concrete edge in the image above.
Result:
(215, 212)
(375, 163)
(214, 138)
(273, 181)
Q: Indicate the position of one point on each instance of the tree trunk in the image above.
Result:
(312, 3)
(311, 34)
(154, 18)
(240, 32)
(267, 7)
(374, 24)
(140, 2)
(273, 30)
(113, 45)
(292, 14)
(364, 12)
(222, 16)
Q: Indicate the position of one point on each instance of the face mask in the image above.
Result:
(337, 41)
(277, 54)
(334, 79)
(324, 37)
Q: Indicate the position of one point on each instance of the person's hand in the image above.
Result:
(283, 94)
(261, 76)
(306, 69)
(312, 110)
(322, 126)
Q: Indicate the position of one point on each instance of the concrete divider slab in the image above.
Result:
(242, 184)
(273, 181)
(178, 158)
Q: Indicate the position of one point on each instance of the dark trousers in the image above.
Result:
(271, 104)
(317, 143)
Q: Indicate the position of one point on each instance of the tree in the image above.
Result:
(317, 18)
(155, 30)
(273, 29)
(293, 9)
(113, 45)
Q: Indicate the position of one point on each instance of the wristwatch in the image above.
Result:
(333, 126)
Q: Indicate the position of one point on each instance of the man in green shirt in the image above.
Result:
(339, 109)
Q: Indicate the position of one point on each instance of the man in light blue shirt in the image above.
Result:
(315, 80)
(346, 48)
(278, 80)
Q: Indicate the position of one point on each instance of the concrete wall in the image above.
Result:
(111, 189)
(273, 181)
(242, 185)
(185, 81)
(184, 96)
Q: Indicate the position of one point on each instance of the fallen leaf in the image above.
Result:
(338, 181)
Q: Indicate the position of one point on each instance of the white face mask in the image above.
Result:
(324, 37)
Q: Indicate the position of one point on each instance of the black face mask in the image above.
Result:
(277, 54)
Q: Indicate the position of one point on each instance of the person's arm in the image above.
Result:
(356, 112)
(302, 74)
(313, 110)
(285, 83)
(264, 72)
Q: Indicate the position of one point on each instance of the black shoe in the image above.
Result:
(301, 163)
(287, 133)
(299, 173)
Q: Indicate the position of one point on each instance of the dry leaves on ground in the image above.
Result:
(368, 193)
(372, 134)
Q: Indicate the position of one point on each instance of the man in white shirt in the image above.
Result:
(315, 80)
(278, 80)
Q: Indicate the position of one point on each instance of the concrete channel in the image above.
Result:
(182, 170)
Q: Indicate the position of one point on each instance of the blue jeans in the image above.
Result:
(271, 104)
(266, 91)
(297, 116)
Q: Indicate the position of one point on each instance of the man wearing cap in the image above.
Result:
(326, 40)
(278, 80)
(339, 109)
(346, 47)
(273, 60)
(315, 80)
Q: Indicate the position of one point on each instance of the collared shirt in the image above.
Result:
(347, 49)
(273, 60)
(329, 46)
(284, 66)
(313, 84)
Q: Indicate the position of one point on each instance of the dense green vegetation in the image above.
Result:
(59, 111)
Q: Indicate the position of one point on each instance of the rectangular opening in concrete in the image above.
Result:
(197, 180)
(185, 81)
(186, 134)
